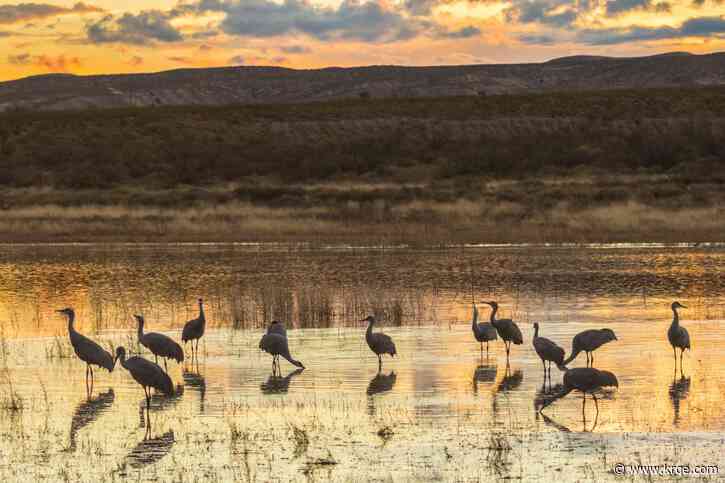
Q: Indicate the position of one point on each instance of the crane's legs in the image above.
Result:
(156, 359)
(380, 363)
(165, 366)
(147, 392)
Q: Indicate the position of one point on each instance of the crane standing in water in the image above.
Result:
(160, 345)
(147, 374)
(506, 328)
(194, 330)
(275, 342)
(586, 380)
(548, 351)
(88, 351)
(483, 332)
(678, 335)
(589, 341)
(378, 342)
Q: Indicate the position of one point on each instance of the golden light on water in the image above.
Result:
(439, 397)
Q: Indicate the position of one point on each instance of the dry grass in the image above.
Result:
(417, 223)
(584, 207)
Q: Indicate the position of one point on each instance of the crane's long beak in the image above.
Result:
(683, 306)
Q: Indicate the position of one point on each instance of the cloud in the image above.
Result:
(236, 60)
(28, 11)
(694, 27)
(295, 49)
(136, 60)
(20, 59)
(537, 39)
(181, 60)
(555, 13)
(464, 33)
(617, 7)
(144, 28)
(59, 63)
(368, 21)
(420, 7)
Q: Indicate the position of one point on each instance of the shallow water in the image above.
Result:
(439, 411)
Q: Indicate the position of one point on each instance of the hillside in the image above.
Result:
(260, 85)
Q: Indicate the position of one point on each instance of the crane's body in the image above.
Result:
(483, 332)
(586, 380)
(378, 342)
(589, 341)
(146, 373)
(194, 330)
(160, 345)
(506, 329)
(87, 350)
(677, 335)
(548, 351)
(275, 342)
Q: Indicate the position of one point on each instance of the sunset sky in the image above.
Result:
(105, 36)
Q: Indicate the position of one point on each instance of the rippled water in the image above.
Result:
(439, 411)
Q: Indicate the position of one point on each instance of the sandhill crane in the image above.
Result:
(548, 351)
(378, 342)
(87, 412)
(147, 374)
(87, 350)
(585, 380)
(160, 345)
(589, 341)
(678, 335)
(506, 328)
(275, 342)
(483, 332)
(194, 330)
(277, 327)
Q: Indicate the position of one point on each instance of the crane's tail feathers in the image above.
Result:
(178, 354)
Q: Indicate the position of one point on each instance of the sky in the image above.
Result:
(108, 36)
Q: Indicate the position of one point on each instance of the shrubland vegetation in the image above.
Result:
(460, 167)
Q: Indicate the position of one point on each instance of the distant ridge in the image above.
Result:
(259, 85)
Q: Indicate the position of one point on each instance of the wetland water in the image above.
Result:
(439, 411)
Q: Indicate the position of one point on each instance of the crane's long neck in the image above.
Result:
(140, 328)
(474, 322)
(201, 313)
(536, 331)
(494, 309)
(675, 317)
(71, 319)
(369, 332)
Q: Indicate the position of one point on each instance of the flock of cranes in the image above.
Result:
(149, 375)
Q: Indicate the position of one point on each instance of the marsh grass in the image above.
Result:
(12, 401)
(58, 348)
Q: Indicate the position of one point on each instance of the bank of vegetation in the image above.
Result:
(588, 166)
